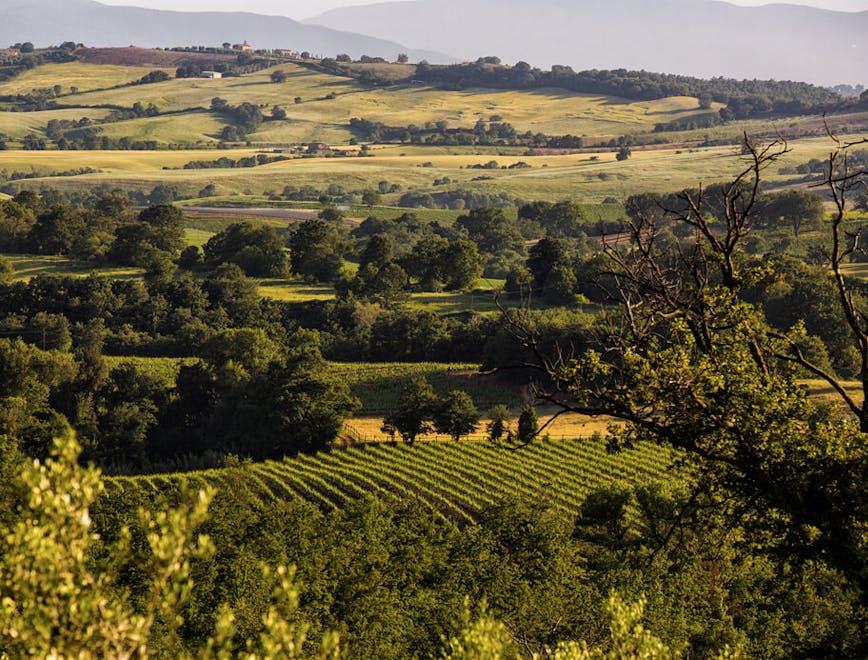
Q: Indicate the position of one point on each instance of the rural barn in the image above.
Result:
(214, 75)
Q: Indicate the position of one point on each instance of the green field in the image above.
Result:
(379, 385)
(455, 480)
(582, 177)
(18, 124)
(550, 111)
(28, 266)
(164, 370)
(85, 77)
(201, 129)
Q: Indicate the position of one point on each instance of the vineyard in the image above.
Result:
(455, 480)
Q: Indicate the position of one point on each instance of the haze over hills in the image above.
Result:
(704, 38)
(46, 22)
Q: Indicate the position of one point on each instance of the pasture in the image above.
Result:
(329, 102)
(84, 77)
(587, 178)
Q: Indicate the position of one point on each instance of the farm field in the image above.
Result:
(455, 480)
(331, 101)
(583, 177)
(18, 124)
(199, 128)
(85, 77)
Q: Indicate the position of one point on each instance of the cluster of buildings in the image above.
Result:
(243, 48)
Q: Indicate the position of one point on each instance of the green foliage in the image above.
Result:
(28, 377)
(258, 251)
(456, 415)
(499, 423)
(413, 413)
(6, 270)
(317, 250)
(58, 599)
(528, 425)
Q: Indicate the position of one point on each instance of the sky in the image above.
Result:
(300, 9)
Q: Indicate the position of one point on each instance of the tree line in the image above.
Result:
(743, 98)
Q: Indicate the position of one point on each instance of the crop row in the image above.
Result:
(456, 480)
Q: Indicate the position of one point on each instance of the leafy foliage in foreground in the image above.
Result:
(58, 601)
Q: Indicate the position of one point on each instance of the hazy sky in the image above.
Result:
(306, 8)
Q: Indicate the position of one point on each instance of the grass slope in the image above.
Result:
(86, 77)
(18, 124)
(328, 103)
(456, 480)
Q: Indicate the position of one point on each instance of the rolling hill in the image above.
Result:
(783, 42)
(46, 22)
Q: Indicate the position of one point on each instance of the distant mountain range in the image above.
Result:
(48, 22)
(703, 38)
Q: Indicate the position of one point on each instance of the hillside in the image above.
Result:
(455, 480)
(783, 42)
(46, 22)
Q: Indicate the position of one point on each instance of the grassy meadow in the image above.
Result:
(84, 77)
(584, 177)
(25, 267)
(329, 102)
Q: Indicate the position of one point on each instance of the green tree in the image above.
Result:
(7, 270)
(528, 425)
(258, 251)
(28, 378)
(317, 250)
(699, 369)
(371, 198)
(499, 423)
(456, 415)
(413, 416)
(801, 209)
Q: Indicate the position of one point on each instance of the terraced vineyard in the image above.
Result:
(455, 480)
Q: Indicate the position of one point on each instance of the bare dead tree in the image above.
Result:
(841, 181)
(652, 282)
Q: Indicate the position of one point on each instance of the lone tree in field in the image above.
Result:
(456, 415)
(278, 76)
(624, 153)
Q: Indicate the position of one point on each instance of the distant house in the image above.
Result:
(211, 74)
(9, 52)
(286, 53)
(244, 48)
(317, 147)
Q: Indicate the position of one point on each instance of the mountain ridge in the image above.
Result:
(783, 42)
(44, 23)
